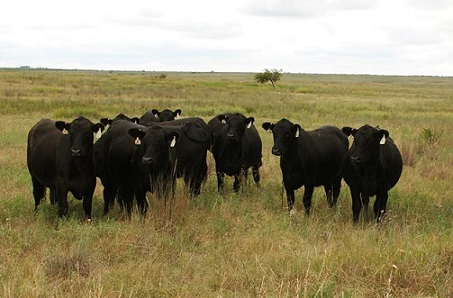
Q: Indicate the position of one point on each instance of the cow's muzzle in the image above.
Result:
(147, 160)
(355, 160)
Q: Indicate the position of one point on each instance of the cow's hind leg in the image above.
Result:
(256, 174)
(329, 195)
(126, 194)
(336, 191)
(39, 191)
(308, 194)
(109, 197)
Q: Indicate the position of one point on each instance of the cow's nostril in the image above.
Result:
(276, 151)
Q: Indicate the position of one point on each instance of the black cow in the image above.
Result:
(175, 149)
(62, 162)
(309, 159)
(118, 164)
(154, 115)
(236, 146)
(373, 165)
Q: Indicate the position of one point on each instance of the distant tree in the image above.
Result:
(267, 75)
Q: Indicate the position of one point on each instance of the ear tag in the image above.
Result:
(249, 125)
(98, 134)
(137, 141)
(224, 121)
(173, 142)
(177, 116)
(383, 140)
(297, 133)
(64, 131)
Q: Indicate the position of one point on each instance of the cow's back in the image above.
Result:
(43, 140)
(252, 147)
(320, 154)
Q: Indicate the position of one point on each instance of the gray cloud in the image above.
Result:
(305, 9)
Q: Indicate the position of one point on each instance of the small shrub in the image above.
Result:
(432, 136)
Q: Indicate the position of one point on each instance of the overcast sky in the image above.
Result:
(389, 37)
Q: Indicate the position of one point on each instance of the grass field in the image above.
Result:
(227, 244)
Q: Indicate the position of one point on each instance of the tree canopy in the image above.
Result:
(267, 75)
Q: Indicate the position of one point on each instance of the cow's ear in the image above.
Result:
(106, 121)
(137, 134)
(173, 137)
(155, 112)
(97, 128)
(296, 130)
(349, 131)
(268, 126)
(177, 113)
(249, 121)
(223, 118)
(63, 126)
(384, 134)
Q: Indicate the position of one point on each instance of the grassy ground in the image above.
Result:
(227, 244)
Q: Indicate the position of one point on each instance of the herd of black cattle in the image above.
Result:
(138, 155)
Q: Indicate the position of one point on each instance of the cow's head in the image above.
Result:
(108, 122)
(236, 126)
(285, 135)
(156, 142)
(80, 132)
(365, 150)
(167, 115)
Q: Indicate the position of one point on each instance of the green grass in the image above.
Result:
(227, 244)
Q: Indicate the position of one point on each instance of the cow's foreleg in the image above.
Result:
(356, 204)
(62, 199)
(380, 205)
(237, 182)
(87, 205)
(290, 197)
(220, 178)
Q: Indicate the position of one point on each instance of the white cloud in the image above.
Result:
(335, 36)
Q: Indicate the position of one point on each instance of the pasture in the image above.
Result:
(227, 244)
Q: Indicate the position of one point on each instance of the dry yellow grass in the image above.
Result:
(227, 244)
